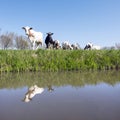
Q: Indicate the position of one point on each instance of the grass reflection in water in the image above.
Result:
(49, 79)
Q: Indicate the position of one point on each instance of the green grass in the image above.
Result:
(58, 60)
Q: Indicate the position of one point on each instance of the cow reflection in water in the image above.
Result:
(32, 91)
(50, 89)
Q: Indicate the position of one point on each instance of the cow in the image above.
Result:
(49, 40)
(66, 45)
(75, 46)
(36, 38)
(32, 91)
(90, 46)
(50, 43)
(56, 44)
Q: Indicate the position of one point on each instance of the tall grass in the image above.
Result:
(58, 60)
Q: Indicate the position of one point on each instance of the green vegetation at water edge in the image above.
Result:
(58, 60)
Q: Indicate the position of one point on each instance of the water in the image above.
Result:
(60, 96)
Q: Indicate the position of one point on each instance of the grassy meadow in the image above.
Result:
(58, 60)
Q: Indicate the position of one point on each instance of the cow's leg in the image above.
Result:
(34, 45)
(37, 47)
(39, 44)
(47, 45)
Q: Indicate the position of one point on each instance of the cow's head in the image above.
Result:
(49, 33)
(27, 30)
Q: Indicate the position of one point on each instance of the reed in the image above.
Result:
(58, 60)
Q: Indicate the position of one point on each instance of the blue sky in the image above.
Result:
(76, 21)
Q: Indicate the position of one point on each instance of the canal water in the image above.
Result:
(60, 96)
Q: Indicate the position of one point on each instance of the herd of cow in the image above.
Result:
(36, 38)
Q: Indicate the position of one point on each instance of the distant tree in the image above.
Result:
(0, 30)
(117, 45)
(108, 48)
(6, 40)
(21, 43)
